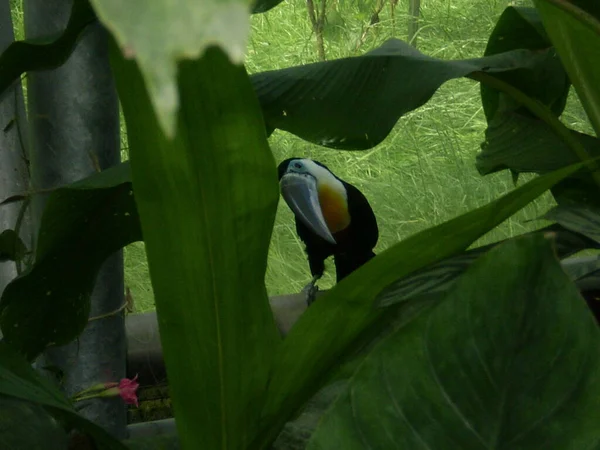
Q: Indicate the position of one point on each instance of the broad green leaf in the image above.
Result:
(25, 425)
(581, 188)
(578, 217)
(19, 380)
(441, 276)
(12, 247)
(335, 323)
(353, 103)
(576, 36)
(161, 33)
(591, 6)
(82, 225)
(507, 360)
(207, 200)
(37, 54)
(523, 144)
(584, 268)
(591, 174)
(547, 81)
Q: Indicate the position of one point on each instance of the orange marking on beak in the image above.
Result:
(334, 208)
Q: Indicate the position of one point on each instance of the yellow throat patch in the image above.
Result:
(334, 207)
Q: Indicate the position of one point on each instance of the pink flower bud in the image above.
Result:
(127, 389)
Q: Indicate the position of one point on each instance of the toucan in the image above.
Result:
(332, 218)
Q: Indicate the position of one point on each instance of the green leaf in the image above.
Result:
(507, 360)
(441, 276)
(19, 380)
(82, 225)
(576, 36)
(542, 112)
(37, 54)
(523, 144)
(207, 200)
(25, 425)
(335, 323)
(579, 189)
(547, 81)
(578, 217)
(583, 269)
(353, 103)
(161, 33)
(12, 247)
(261, 6)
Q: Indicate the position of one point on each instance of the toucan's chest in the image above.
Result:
(334, 207)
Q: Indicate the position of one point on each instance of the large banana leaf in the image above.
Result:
(507, 360)
(330, 328)
(207, 200)
(353, 103)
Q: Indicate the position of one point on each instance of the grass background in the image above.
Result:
(423, 173)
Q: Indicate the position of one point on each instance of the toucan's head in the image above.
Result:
(315, 195)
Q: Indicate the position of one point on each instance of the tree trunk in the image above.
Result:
(74, 118)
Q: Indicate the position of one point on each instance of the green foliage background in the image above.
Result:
(423, 173)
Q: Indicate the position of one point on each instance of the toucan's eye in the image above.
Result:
(297, 165)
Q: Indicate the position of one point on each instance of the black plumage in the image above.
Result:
(354, 244)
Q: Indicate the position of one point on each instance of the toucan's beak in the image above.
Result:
(302, 196)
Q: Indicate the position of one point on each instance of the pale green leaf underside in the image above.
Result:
(159, 33)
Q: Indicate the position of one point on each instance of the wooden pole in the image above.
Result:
(144, 350)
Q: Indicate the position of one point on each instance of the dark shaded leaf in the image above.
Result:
(547, 81)
(580, 188)
(12, 247)
(13, 199)
(582, 269)
(25, 425)
(261, 6)
(507, 360)
(82, 225)
(576, 36)
(25, 56)
(523, 144)
(312, 101)
(19, 380)
(207, 200)
(591, 6)
(578, 217)
(441, 276)
(341, 318)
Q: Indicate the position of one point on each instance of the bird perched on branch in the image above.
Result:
(332, 218)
